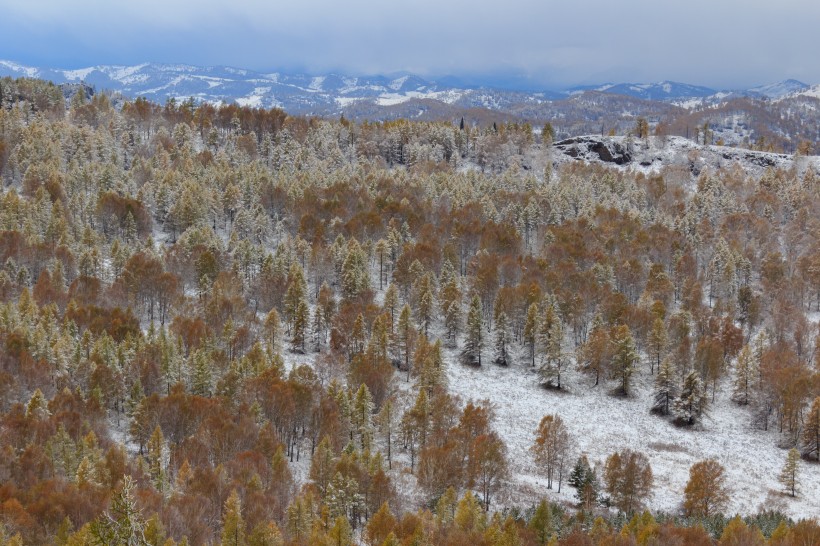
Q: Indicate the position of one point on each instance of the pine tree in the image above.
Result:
(789, 474)
(693, 400)
(811, 432)
(473, 343)
(502, 351)
(665, 387)
(233, 525)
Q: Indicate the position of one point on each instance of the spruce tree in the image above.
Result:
(665, 387)
(692, 403)
(585, 481)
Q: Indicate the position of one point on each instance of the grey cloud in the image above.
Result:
(721, 43)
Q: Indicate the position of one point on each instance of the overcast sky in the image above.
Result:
(718, 43)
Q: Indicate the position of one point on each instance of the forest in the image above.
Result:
(229, 325)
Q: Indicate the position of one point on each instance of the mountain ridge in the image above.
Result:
(332, 92)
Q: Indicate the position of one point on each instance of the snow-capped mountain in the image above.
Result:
(780, 89)
(334, 93)
(663, 91)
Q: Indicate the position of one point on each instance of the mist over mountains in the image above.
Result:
(334, 93)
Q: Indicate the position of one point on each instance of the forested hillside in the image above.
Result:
(228, 325)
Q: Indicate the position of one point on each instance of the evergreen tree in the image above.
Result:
(473, 342)
(746, 374)
(665, 387)
(502, 351)
(585, 481)
(693, 400)
(789, 474)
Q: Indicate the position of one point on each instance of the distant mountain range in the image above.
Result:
(335, 93)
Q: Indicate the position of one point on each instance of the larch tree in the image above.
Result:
(551, 336)
(746, 374)
(502, 339)
(789, 475)
(530, 336)
(624, 357)
(658, 339)
(706, 493)
(474, 341)
(233, 524)
(551, 448)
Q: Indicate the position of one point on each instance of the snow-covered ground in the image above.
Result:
(601, 424)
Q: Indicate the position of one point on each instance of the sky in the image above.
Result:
(525, 43)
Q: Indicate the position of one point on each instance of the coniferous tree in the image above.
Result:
(301, 317)
(811, 432)
(233, 524)
(585, 481)
(473, 342)
(531, 330)
(658, 339)
(790, 472)
(624, 357)
(692, 403)
(551, 336)
(502, 350)
(665, 388)
(706, 493)
(628, 478)
(746, 376)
